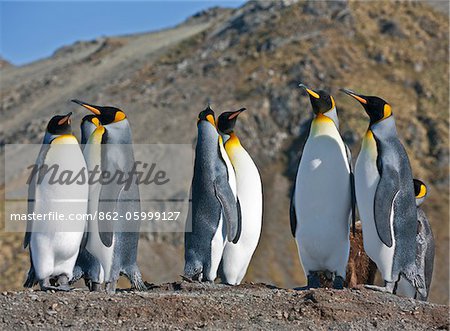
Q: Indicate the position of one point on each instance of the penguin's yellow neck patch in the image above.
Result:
(370, 144)
(96, 136)
(95, 121)
(232, 144)
(65, 139)
(321, 124)
(322, 118)
(422, 192)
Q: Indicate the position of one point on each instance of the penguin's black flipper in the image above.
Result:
(31, 200)
(85, 237)
(384, 199)
(107, 204)
(106, 232)
(239, 215)
(229, 208)
(293, 215)
(352, 188)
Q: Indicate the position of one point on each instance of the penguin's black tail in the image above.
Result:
(77, 274)
(31, 278)
(417, 280)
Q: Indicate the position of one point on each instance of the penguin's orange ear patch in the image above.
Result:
(422, 193)
(120, 115)
(210, 119)
(387, 111)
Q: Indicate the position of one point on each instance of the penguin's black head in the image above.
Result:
(105, 114)
(420, 189)
(375, 107)
(321, 101)
(207, 115)
(60, 124)
(227, 120)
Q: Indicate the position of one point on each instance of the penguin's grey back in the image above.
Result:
(205, 208)
(392, 156)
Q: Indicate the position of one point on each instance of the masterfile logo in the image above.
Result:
(149, 193)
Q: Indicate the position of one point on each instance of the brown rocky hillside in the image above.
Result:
(254, 57)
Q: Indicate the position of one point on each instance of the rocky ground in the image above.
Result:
(182, 305)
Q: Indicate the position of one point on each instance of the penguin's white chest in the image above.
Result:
(323, 199)
(55, 244)
(94, 245)
(366, 182)
(236, 257)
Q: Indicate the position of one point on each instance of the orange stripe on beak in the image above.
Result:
(65, 119)
(236, 113)
(352, 94)
(87, 106)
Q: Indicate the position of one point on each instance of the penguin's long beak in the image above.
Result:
(92, 108)
(310, 92)
(65, 119)
(236, 113)
(358, 97)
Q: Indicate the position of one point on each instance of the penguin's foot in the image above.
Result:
(46, 286)
(96, 287)
(187, 279)
(111, 287)
(208, 283)
(136, 281)
(338, 282)
(417, 280)
(313, 280)
(134, 276)
(387, 288)
(64, 288)
(63, 282)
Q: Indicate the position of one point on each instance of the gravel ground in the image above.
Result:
(183, 305)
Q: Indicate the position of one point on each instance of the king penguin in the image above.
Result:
(117, 155)
(88, 264)
(213, 216)
(54, 246)
(385, 197)
(236, 256)
(322, 199)
(425, 246)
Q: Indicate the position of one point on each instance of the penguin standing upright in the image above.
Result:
(321, 202)
(236, 256)
(88, 264)
(213, 211)
(116, 198)
(54, 246)
(385, 197)
(425, 246)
